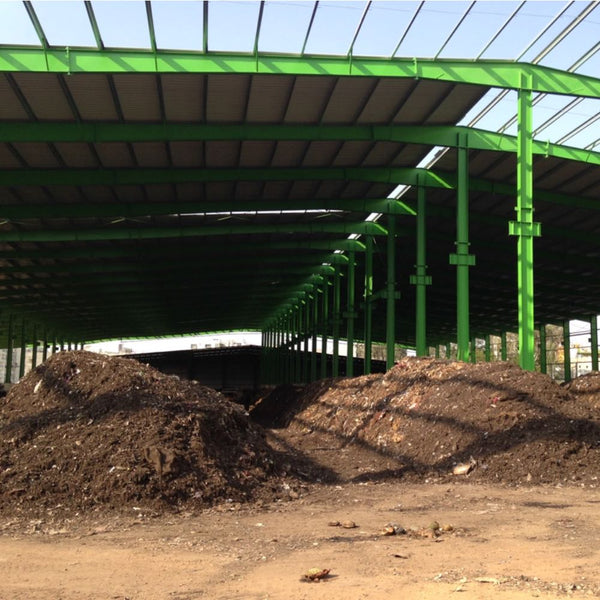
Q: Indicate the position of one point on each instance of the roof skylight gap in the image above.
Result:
(122, 24)
(345, 15)
(228, 26)
(53, 15)
(16, 26)
(378, 33)
(285, 26)
(178, 25)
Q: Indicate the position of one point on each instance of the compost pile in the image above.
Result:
(586, 388)
(85, 430)
(490, 422)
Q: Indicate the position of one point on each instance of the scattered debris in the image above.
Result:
(316, 574)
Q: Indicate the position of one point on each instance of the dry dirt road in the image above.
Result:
(507, 543)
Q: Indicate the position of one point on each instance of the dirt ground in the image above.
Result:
(537, 542)
(89, 512)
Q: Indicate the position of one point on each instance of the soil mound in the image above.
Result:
(85, 430)
(492, 422)
(586, 388)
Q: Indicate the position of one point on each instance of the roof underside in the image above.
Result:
(145, 203)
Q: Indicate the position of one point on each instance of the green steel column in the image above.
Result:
(9, 351)
(305, 337)
(336, 320)
(462, 259)
(567, 349)
(23, 350)
(437, 351)
(314, 326)
(503, 346)
(368, 303)
(420, 279)
(543, 361)
(391, 293)
(594, 341)
(488, 349)
(350, 314)
(45, 349)
(325, 327)
(280, 351)
(524, 227)
(292, 345)
(448, 350)
(34, 349)
(298, 342)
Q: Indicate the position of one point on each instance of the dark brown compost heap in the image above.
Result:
(511, 426)
(84, 430)
(586, 388)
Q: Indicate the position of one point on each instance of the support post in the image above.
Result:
(543, 361)
(297, 317)
(503, 346)
(594, 341)
(350, 284)
(34, 349)
(420, 279)
(448, 350)
(315, 324)
(9, 351)
(524, 227)
(45, 349)
(368, 304)
(336, 320)
(391, 293)
(488, 348)
(462, 259)
(23, 350)
(325, 326)
(567, 349)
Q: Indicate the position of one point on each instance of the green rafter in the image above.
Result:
(135, 233)
(433, 135)
(139, 209)
(390, 175)
(217, 248)
(490, 73)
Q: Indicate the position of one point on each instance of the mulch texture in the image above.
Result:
(508, 425)
(85, 430)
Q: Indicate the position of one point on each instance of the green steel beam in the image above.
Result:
(388, 175)
(489, 73)
(433, 135)
(145, 209)
(141, 176)
(215, 247)
(141, 233)
(182, 264)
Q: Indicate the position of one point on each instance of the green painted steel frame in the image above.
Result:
(491, 73)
